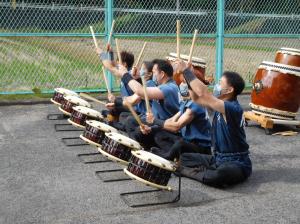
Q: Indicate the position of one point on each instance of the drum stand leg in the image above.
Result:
(111, 171)
(64, 140)
(174, 200)
(92, 154)
(57, 129)
(56, 117)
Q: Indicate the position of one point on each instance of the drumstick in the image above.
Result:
(178, 38)
(118, 51)
(86, 96)
(193, 45)
(146, 95)
(111, 32)
(96, 45)
(94, 38)
(137, 118)
(140, 55)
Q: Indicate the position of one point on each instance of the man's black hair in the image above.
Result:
(236, 81)
(128, 58)
(165, 66)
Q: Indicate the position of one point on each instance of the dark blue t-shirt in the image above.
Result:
(169, 106)
(198, 130)
(229, 138)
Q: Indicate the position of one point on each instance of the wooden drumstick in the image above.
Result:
(94, 38)
(96, 45)
(118, 51)
(86, 96)
(193, 46)
(146, 95)
(178, 38)
(140, 55)
(111, 32)
(136, 117)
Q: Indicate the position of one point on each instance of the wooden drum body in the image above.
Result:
(288, 56)
(95, 132)
(59, 93)
(81, 114)
(70, 102)
(276, 91)
(150, 169)
(118, 147)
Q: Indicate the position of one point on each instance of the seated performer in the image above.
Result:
(230, 163)
(165, 102)
(191, 121)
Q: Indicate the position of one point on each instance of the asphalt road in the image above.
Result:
(44, 181)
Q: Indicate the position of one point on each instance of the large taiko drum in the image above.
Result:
(288, 56)
(95, 132)
(150, 169)
(70, 102)
(199, 66)
(81, 114)
(276, 90)
(118, 147)
(59, 93)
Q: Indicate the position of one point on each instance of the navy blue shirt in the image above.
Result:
(167, 107)
(229, 138)
(198, 130)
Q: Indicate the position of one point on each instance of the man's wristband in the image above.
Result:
(188, 76)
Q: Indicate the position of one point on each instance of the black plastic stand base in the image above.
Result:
(65, 141)
(174, 200)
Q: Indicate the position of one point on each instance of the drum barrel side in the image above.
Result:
(287, 59)
(277, 90)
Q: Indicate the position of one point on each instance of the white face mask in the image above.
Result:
(217, 92)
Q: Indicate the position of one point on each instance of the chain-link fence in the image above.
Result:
(47, 44)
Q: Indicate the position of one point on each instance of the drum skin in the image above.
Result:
(287, 59)
(277, 90)
(148, 171)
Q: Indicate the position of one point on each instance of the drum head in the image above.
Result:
(131, 175)
(195, 60)
(76, 100)
(124, 140)
(154, 160)
(113, 158)
(65, 91)
(286, 69)
(101, 126)
(88, 111)
(291, 51)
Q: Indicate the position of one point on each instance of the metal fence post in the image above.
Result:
(108, 24)
(220, 39)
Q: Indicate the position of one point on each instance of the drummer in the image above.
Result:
(165, 101)
(191, 122)
(230, 163)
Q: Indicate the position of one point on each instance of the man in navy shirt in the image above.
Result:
(230, 163)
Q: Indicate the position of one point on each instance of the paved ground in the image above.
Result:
(43, 181)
